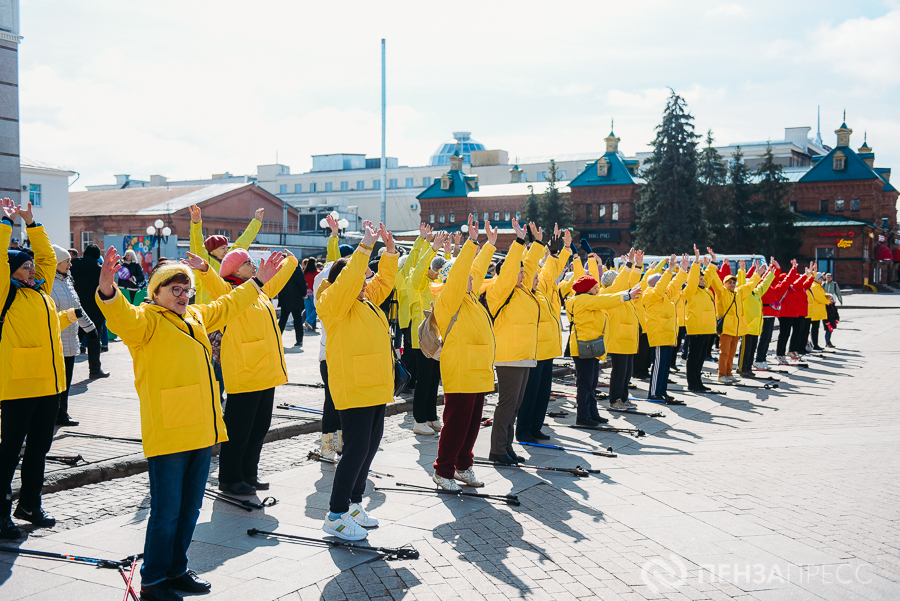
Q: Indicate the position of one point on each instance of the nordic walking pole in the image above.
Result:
(100, 563)
(396, 553)
(128, 580)
(245, 503)
(607, 453)
(508, 499)
(578, 471)
(316, 456)
(290, 407)
(316, 385)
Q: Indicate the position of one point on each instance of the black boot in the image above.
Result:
(35, 515)
(189, 582)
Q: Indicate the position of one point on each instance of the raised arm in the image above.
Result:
(197, 246)
(249, 235)
(451, 297)
(712, 279)
(274, 286)
(382, 284)
(506, 280)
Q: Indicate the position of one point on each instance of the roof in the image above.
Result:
(145, 201)
(33, 164)
(460, 185)
(617, 174)
(816, 220)
(560, 158)
(517, 189)
(854, 168)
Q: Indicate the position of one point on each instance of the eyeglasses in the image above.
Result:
(182, 291)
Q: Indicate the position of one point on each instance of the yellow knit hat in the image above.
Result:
(165, 272)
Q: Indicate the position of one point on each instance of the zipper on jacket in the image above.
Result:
(278, 336)
(212, 390)
(50, 334)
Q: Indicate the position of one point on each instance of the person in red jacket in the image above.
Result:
(792, 316)
(771, 307)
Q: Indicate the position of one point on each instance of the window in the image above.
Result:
(34, 194)
(314, 187)
(823, 206)
(496, 215)
(561, 174)
(431, 218)
(329, 187)
(614, 215)
(298, 188)
(854, 204)
(452, 217)
(588, 213)
(410, 182)
(839, 204)
(505, 215)
(441, 218)
(282, 189)
(361, 185)
(518, 215)
(392, 183)
(601, 213)
(426, 181)
(541, 176)
(793, 206)
(825, 259)
(345, 186)
(376, 185)
(86, 238)
(485, 217)
(71, 239)
(226, 233)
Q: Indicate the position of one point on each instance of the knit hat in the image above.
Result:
(651, 281)
(61, 253)
(608, 277)
(214, 242)
(233, 261)
(346, 250)
(164, 272)
(17, 258)
(584, 284)
(445, 270)
(437, 263)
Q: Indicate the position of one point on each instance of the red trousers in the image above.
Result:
(462, 421)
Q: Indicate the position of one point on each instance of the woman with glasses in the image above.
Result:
(181, 415)
(252, 359)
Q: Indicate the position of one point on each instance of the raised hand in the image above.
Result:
(794, 263)
(631, 255)
(447, 247)
(742, 265)
(386, 237)
(696, 254)
(639, 257)
(685, 261)
(26, 214)
(333, 224)
(671, 264)
(491, 233)
(9, 209)
(370, 235)
(259, 214)
(108, 272)
(706, 261)
(457, 239)
(195, 214)
(556, 230)
(473, 228)
(520, 231)
(271, 266)
(422, 229)
(712, 255)
(536, 232)
(636, 292)
(567, 238)
(194, 262)
(439, 238)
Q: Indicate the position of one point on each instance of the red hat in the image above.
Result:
(584, 284)
(214, 242)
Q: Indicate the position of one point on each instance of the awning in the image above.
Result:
(883, 253)
(897, 254)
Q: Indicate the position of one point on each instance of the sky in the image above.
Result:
(189, 88)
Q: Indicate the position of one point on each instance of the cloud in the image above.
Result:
(862, 49)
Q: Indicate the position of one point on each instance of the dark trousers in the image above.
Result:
(511, 383)
(698, 348)
(536, 399)
(622, 366)
(32, 417)
(363, 428)
(63, 411)
(814, 333)
(586, 372)
(828, 325)
(685, 348)
(462, 421)
(331, 419)
(177, 482)
(800, 335)
(428, 376)
(643, 358)
(92, 344)
(785, 325)
(765, 338)
(409, 356)
(659, 375)
(248, 416)
(297, 312)
(748, 353)
(682, 335)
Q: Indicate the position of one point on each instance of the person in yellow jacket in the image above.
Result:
(33, 373)
(545, 289)
(700, 320)
(181, 415)
(406, 264)
(360, 361)
(730, 299)
(467, 359)
(753, 313)
(428, 371)
(252, 359)
(623, 326)
(817, 309)
(516, 313)
(661, 319)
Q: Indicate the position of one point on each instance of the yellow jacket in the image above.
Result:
(516, 324)
(623, 319)
(358, 348)
(699, 303)
(730, 305)
(31, 349)
(202, 296)
(467, 358)
(588, 316)
(252, 354)
(659, 309)
(547, 295)
(753, 312)
(817, 302)
(401, 286)
(419, 291)
(173, 372)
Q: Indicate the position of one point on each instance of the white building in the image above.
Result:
(47, 188)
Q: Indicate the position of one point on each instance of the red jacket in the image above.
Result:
(773, 297)
(795, 303)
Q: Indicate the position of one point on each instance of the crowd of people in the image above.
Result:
(208, 352)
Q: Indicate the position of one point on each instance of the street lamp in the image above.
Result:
(160, 232)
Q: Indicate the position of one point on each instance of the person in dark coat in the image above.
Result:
(85, 272)
(291, 300)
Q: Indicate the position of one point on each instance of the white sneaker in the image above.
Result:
(423, 429)
(618, 405)
(725, 380)
(629, 405)
(467, 477)
(327, 446)
(362, 518)
(760, 366)
(445, 483)
(339, 442)
(344, 527)
(735, 378)
(436, 425)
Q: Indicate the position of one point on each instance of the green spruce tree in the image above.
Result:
(779, 236)
(712, 173)
(556, 208)
(533, 207)
(741, 235)
(669, 216)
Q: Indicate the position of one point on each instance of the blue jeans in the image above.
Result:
(177, 482)
(310, 312)
(537, 398)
